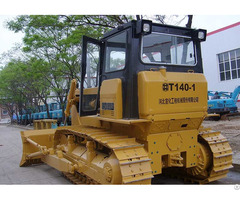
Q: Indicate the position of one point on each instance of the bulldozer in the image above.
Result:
(136, 113)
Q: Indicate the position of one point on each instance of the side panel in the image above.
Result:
(171, 93)
(111, 99)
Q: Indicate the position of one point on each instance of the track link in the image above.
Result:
(221, 153)
(79, 179)
(133, 160)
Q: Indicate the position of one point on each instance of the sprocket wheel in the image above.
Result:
(201, 170)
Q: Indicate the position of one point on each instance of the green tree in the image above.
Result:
(23, 85)
(51, 54)
(55, 40)
(12, 95)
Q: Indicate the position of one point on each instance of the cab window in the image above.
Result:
(115, 53)
(168, 49)
(90, 85)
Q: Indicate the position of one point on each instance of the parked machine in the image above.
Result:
(24, 117)
(223, 102)
(57, 113)
(138, 112)
(54, 111)
(35, 116)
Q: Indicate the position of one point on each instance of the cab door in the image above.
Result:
(91, 69)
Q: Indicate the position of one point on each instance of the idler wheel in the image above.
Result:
(112, 170)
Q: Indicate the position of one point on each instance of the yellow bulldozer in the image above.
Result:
(136, 113)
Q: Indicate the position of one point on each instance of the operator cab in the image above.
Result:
(129, 49)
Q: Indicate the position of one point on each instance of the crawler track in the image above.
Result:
(221, 154)
(133, 160)
(134, 163)
(79, 179)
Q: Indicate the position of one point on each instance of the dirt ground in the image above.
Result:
(230, 128)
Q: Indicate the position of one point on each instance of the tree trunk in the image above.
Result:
(47, 109)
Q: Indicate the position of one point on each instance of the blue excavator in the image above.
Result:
(223, 103)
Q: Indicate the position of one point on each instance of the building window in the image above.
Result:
(4, 112)
(229, 65)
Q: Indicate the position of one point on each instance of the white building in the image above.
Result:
(221, 58)
(4, 117)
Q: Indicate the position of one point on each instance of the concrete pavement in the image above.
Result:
(10, 156)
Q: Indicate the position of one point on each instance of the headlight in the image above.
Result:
(143, 27)
(146, 28)
(201, 35)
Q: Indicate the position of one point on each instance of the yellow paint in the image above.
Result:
(88, 91)
(111, 93)
(165, 144)
(112, 150)
(154, 101)
(42, 137)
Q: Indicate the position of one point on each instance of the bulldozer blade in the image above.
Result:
(31, 153)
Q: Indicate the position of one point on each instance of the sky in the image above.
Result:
(210, 15)
(8, 38)
(210, 22)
